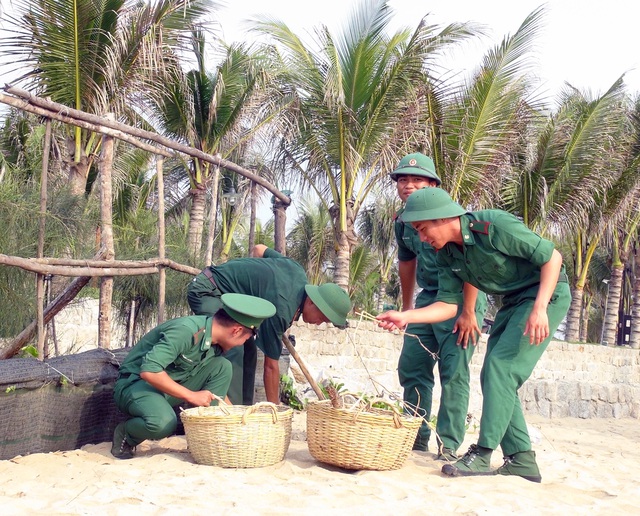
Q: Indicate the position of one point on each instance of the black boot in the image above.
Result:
(121, 449)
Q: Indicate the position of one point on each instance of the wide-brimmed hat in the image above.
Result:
(332, 301)
(416, 164)
(430, 204)
(249, 311)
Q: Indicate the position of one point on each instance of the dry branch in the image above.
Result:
(93, 268)
(125, 132)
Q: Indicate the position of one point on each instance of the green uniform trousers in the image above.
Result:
(415, 372)
(152, 411)
(508, 362)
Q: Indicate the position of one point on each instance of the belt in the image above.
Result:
(209, 274)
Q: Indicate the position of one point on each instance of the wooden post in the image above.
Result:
(280, 222)
(252, 217)
(161, 239)
(213, 213)
(106, 236)
(41, 233)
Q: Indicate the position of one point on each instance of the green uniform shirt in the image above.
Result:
(500, 255)
(409, 247)
(177, 346)
(273, 277)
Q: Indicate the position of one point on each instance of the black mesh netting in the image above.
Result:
(61, 404)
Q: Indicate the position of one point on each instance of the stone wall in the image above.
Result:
(574, 380)
(570, 380)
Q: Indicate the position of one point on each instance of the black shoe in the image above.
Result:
(121, 449)
(477, 461)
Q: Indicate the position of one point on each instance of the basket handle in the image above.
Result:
(397, 421)
(250, 410)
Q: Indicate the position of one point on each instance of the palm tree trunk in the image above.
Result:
(196, 220)
(343, 260)
(584, 326)
(610, 318)
(572, 333)
(634, 340)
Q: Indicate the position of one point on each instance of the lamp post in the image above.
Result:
(231, 196)
(604, 314)
(279, 222)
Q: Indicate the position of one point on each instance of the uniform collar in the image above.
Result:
(465, 228)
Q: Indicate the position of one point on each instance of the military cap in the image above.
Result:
(332, 301)
(416, 164)
(430, 204)
(249, 311)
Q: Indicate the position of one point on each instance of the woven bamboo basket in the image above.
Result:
(237, 436)
(360, 436)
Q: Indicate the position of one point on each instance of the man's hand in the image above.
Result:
(467, 328)
(537, 326)
(392, 320)
(201, 398)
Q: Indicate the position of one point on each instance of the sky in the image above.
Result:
(588, 43)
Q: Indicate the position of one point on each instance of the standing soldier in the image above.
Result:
(444, 343)
(181, 360)
(497, 253)
(282, 281)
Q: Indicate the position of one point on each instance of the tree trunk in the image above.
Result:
(572, 333)
(343, 260)
(634, 340)
(612, 304)
(196, 221)
(106, 225)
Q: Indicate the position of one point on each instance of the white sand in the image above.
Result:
(588, 467)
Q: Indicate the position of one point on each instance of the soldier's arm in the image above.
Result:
(407, 273)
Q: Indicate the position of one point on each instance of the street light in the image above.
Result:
(231, 196)
(604, 315)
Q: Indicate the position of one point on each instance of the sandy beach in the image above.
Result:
(588, 466)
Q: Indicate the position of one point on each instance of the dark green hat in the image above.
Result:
(332, 301)
(430, 204)
(249, 311)
(416, 164)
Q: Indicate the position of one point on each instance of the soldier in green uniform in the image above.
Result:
(181, 360)
(497, 253)
(281, 280)
(446, 342)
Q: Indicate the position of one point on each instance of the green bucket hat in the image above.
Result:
(332, 301)
(416, 164)
(249, 311)
(430, 204)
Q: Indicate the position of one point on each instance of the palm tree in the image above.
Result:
(376, 228)
(210, 111)
(310, 241)
(96, 56)
(358, 103)
(578, 160)
(477, 128)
